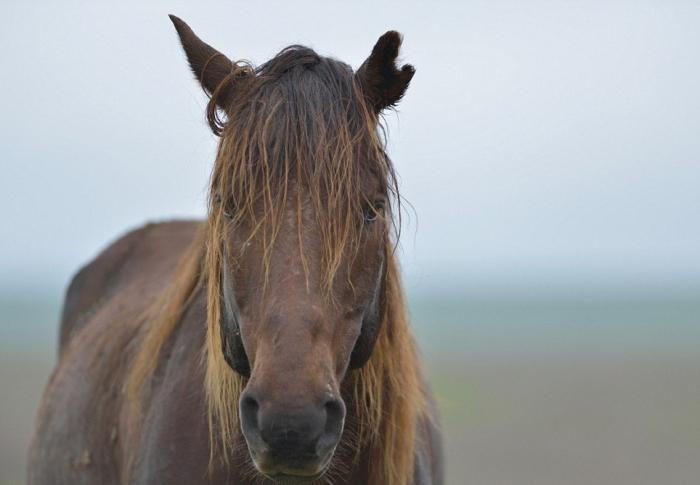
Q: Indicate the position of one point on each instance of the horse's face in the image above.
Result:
(304, 179)
(299, 338)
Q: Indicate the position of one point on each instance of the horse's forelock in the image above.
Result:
(300, 123)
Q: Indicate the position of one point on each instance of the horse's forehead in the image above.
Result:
(295, 205)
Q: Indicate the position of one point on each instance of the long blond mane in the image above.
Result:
(302, 120)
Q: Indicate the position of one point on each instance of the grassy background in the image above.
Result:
(574, 388)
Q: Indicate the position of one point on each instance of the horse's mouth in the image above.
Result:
(287, 478)
(299, 468)
(289, 475)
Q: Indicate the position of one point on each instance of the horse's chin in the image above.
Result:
(295, 477)
(290, 479)
(287, 475)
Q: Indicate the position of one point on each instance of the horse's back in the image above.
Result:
(117, 266)
(80, 426)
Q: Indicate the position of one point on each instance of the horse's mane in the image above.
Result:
(298, 125)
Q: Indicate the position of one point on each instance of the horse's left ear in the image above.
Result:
(383, 83)
(213, 70)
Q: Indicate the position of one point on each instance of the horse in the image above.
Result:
(269, 342)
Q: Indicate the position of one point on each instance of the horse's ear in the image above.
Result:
(213, 70)
(383, 83)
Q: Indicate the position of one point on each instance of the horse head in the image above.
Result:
(300, 219)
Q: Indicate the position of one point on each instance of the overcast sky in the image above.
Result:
(539, 141)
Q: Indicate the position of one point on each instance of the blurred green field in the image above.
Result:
(532, 389)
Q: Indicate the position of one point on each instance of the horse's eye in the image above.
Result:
(372, 211)
(227, 211)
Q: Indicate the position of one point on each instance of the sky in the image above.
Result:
(541, 143)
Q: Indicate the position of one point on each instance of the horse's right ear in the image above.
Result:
(214, 71)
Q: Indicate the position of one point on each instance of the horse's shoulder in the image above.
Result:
(133, 252)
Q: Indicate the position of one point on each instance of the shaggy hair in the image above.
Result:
(298, 124)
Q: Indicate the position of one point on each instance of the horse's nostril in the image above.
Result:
(335, 415)
(335, 411)
(249, 411)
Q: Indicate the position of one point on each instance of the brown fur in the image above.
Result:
(311, 126)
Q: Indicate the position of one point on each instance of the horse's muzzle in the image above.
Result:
(291, 444)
